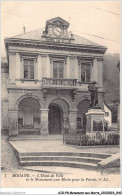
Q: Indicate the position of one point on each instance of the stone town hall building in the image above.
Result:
(45, 82)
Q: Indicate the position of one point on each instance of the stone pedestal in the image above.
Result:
(13, 122)
(44, 121)
(72, 121)
(95, 121)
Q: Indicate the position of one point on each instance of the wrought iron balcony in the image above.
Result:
(58, 82)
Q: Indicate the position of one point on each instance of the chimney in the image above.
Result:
(24, 29)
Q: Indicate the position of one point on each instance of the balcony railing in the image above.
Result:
(61, 82)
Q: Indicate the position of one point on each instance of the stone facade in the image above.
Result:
(4, 95)
(50, 68)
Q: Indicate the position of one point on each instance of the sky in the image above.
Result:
(89, 19)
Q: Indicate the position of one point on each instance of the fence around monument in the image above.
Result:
(93, 140)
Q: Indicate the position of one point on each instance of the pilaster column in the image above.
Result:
(76, 68)
(48, 67)
(44, 65)
(95, 70)
(13, 121)
(79, 70)
(73, 67)
(12, 67)
(35, 69)
(68, 67)
(39, 68)
(72, 120)
(18, 68)
(44, 121)
(100, 73)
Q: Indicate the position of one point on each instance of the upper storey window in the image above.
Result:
(85, 72)
(28, 69)
(106, 113)
(58, 69)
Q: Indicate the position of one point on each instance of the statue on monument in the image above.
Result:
(93, 93)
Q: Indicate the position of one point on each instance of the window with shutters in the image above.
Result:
(58, 69)
(28, 68)
(85, 72)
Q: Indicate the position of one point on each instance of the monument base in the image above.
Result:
(95, 121)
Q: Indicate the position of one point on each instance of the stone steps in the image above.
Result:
(74, 154)
(60, 164)
(60, 158)
(63, 159)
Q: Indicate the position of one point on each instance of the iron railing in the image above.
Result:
(55, 81)
(93, 140)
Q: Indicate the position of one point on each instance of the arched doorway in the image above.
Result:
(58, 116)
(29, 116)
(55, 119)
(82, 109)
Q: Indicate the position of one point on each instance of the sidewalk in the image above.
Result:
(58, 146)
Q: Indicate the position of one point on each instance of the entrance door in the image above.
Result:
(28, 117)
(54, 120)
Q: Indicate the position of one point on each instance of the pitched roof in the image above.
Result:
(34, 35)
(82, 41)
(108, 106)
(37, 35)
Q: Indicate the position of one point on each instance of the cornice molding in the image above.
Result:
(28, 57)
(57, 56)
(90, 58)
(12, 53)
(72, 57)
(55, 46)
(28, 54)
(43, 55)
(99, 58)
(85, 59)
(54, 57)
